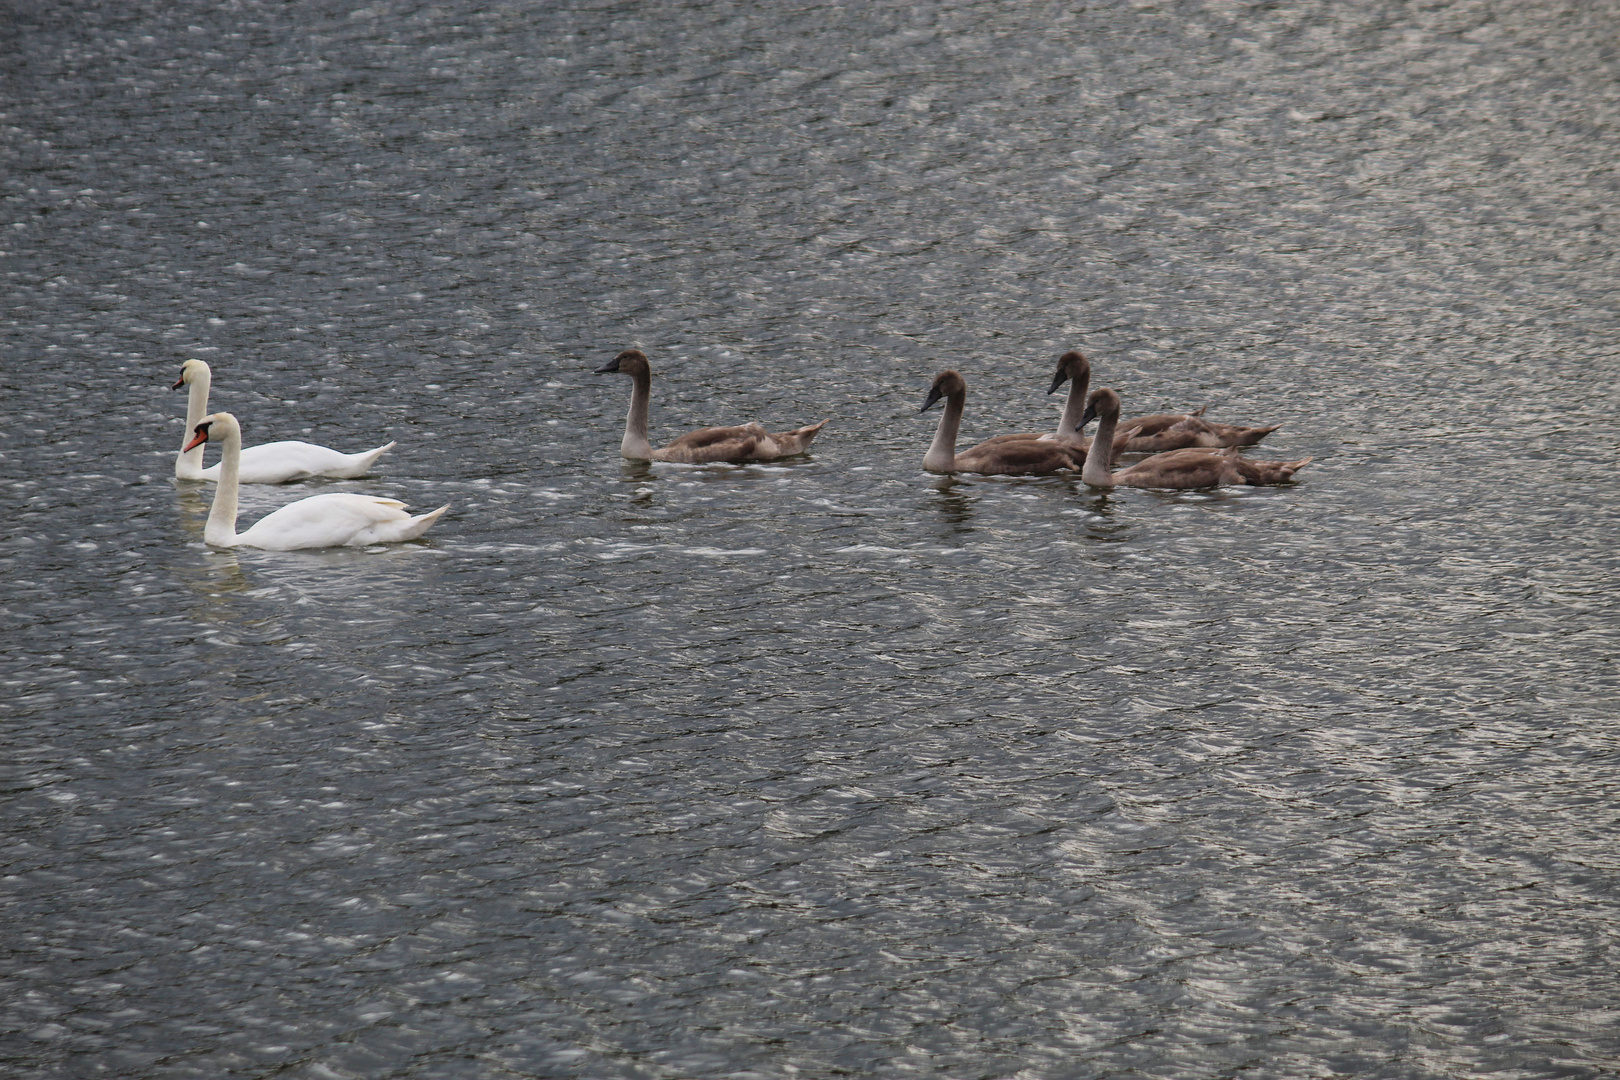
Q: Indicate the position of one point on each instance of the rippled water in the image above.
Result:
(830, 767)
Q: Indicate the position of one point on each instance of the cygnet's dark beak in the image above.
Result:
(1059, 379)
(933, 397)
(1089, 415)
(608, 368)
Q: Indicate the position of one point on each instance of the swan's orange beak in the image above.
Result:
(198, 439)
(178, 383)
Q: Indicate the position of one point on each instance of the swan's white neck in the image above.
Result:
(941, 456)
(188, 465)
(1100, 460)
(1068, 429)
(220, 529)
(635, 443)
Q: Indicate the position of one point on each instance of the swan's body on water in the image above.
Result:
(267, 463)
(1028, 455)
(1176, 431)
(746, 442)
(336, 519)
(1185, 468)
(1144, 434)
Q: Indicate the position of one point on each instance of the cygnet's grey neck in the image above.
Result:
(941, 456)
(1100, 461)
(1074, 407)
(636, 443)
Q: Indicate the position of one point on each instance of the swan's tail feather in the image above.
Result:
(799, 440)
(1269, 472)
(421, 523)
(427, 519)
(1250, 436)
(361, 463)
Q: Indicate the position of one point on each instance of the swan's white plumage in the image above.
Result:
(268, 463)
(336, 519)
(281, 462)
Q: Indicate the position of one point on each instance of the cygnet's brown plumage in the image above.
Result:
(747, 442)
(1186, 468)
(1173, 431)
(1074, 369)
(1144, 434)
(997, 457)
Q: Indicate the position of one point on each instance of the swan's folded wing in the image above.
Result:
(279, 462)
(703, 438)
(331, 520)
(1190, 468)
(1020, 457)
(741, 443)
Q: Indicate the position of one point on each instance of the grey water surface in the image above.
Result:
(829, 767)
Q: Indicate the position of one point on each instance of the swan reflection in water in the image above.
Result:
(954, 506)
(217, 583)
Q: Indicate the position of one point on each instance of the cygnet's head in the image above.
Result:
(190, 372)
(1102, 405)
(946, 384)
(1071, 365)
(631, 362)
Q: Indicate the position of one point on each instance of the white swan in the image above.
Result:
(269, 463)
(337, 519)
(746, 442)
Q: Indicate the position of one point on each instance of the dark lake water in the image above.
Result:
(831, 767)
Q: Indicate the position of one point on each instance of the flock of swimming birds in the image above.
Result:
(1187, 452)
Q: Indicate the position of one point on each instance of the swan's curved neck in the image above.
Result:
(941, 456)
(635, 444)
(1100, 460)
(188, 465)
(220, 529)
(1068, 429)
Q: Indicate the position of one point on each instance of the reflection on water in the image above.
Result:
(1102, 520)
(878, 773)
(954, 506)
(194, 500)
(214, 578)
